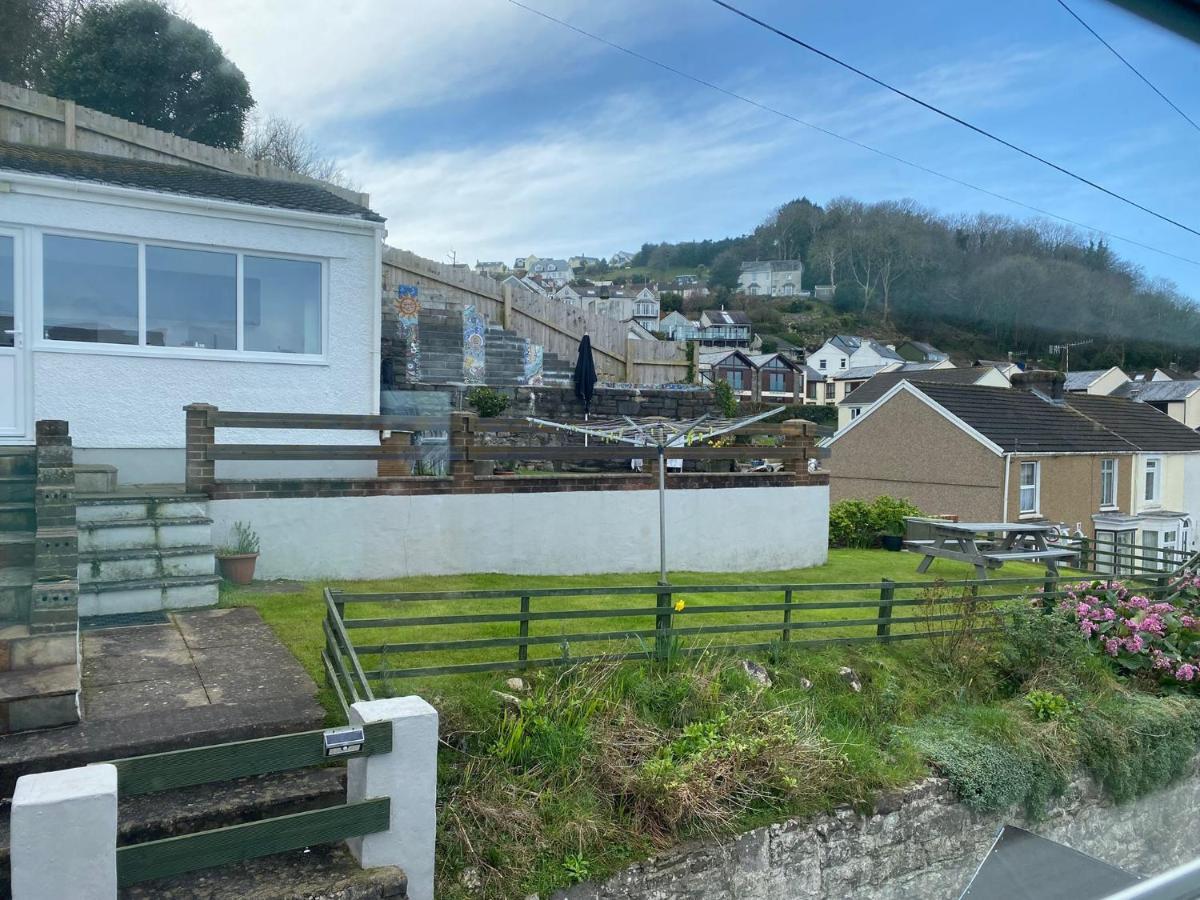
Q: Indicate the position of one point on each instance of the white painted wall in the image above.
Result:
(126, 399)
(577, 532)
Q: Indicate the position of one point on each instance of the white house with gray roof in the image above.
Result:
(771, 278)
(129, 289)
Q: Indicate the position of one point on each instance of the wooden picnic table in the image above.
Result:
(987, 545)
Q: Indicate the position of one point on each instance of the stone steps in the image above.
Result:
(144, 562)
(17, 488)
(18, 462)
(17, 516)
(39, 697)
(138, 533)
(102, 598)
(16, 549)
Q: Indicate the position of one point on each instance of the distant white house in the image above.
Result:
(621, 258)
(525, 262)
(849, 351)
(1095, 381)
(135, 288)
(525, 283)
(493, 268)
(556, 271)
(771, 278)
(581, 262)
(646, 308)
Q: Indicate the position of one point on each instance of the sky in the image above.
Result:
(483, 130)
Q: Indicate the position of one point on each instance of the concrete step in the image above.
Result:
(17, 516)
(19, 488)
(151, 817)
(21, 649)
(95, 478)
(148, 594)
(150, 562)
(16, 548)
(134, 534)
(41, 697)
(18, 462)
(101, 509)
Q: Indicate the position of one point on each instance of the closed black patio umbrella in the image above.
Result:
(585, 375)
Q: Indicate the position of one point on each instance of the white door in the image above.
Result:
(15, 404)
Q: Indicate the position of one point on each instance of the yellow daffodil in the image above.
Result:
(679, 605)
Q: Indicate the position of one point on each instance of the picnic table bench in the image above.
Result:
(1005, 542)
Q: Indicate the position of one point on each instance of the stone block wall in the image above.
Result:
(918, 842)
(55, 597)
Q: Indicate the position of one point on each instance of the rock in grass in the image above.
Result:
(851, 678)
(509, 700)
(805, 684)
(756, 673)
(517, 685)
(471, 880)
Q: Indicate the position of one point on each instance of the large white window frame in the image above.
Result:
(1108, 483)
(42, 344)
(1035, 484)
(1152, 480)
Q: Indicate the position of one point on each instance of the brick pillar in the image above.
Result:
(797, 433)
(390, 468)
(462, 438)
(200, 436)
(54, 603)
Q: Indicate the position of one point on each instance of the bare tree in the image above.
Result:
(286, 144)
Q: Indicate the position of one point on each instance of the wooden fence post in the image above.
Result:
(507, 293)
(1084, 554)
(662, 623)
(787, 615)
(630, 362)
(390, 468)
(887, 594)
(199, 437)
(462, 438)
(523, 631)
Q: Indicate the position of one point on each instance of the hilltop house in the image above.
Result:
(553, 271)
(1097, 381)
(760, 378)
(859, 400)
(921, 352)
(1109, 467)
(848, 351)
(493, 268)
(724, 328)
(771, 278)
(1178, 399)
(129, 289)
(621, 258)
(582, 262)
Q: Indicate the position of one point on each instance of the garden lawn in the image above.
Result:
(296, 614)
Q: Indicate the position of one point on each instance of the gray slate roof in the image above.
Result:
(1157, 391)
(1143, 426)
(885, 381)
(856, 372)
(726, 316)
(851, 342)
(1082, 380)
(77, 165)
(1020, 421)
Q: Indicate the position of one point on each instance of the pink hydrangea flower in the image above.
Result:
(1186, 672)
(1087, 628)
(1134, 644)
(1187, 621)
(1112, 646)
(1161, 661)
(1138, 602)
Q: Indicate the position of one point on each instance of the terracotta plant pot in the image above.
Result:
(238, 568)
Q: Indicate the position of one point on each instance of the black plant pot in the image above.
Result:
(893, 542)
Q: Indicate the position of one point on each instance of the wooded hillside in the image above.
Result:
(981, 285)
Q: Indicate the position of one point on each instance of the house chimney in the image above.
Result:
(1046, 383)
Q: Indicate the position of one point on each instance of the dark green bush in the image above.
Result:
(1137, 744)
(857, 524)
(486, 401)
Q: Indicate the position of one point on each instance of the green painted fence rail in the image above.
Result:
(237, 843)
(240, 759)
(892, 614)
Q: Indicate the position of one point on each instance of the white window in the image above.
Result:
(822, 364)
(191, 298)
(1108, 483)
(855, 412)
(1152, 480)
(843, 362)
(1030, 489)
(100, 291)
(89, 290)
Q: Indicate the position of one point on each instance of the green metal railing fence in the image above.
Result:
(519, 628)
(236, 843)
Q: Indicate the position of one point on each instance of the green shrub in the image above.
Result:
(1136, 744)
(724, 398)
(486, 401)
(850, 524)
(857, 524)
(888, 513)
(1048, 705)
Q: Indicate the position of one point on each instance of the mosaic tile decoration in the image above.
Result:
(474, 351)
(408, 311)
(533, 364)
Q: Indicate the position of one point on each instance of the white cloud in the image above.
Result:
(318, 61)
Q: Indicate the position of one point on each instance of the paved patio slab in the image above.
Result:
(204, 677)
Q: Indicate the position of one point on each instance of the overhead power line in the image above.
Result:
(953, 118)
(1129, 65)
(848, 140)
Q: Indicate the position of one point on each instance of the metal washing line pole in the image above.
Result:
(660, 434)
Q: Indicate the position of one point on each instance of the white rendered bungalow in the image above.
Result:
(129, 289)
